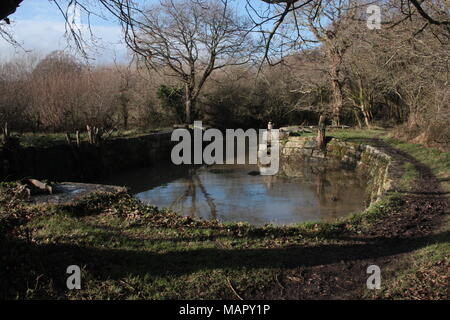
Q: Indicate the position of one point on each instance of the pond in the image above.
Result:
(238, 193)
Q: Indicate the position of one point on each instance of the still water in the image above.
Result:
(238, 193)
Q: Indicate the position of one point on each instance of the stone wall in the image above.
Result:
(87, 162)
(375, 165)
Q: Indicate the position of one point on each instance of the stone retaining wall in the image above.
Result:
(90, 162)
(372, 163)
(87, 162)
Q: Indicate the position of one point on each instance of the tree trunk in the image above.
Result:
(366, 117)
(125, 116)
(187, 110)
(364, 104)
(187, 105)
(321, 132)
(337, 94)
(357, 118)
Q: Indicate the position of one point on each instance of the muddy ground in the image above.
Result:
(387, 242)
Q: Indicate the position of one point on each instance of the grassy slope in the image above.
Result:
(127, 250)
(424, 274)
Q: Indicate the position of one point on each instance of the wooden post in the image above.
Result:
(5, 133)
(77, 136)
(321, 132)
(88, 128)
(269, 134)
(5, 130)
(96, 135)
(68, 139)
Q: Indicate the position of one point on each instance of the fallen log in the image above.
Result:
(36, 187)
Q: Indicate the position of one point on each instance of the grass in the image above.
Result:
(128, 250)
(410, 175)
(435, 159)
(424, 273)
(355, 135)
(32, 139)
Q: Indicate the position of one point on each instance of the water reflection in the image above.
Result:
(239, 193)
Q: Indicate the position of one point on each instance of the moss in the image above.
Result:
(368, 161)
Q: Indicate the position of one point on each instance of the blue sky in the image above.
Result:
(39, 27)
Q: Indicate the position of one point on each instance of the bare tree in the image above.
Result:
(190, 39)
(434, 12)
(310, 24)
(328, 23)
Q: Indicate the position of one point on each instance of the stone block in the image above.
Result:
(310, 144)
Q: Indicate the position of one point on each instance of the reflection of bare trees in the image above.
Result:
(208, 198)
(331, 185)
(269, 180)
(319, 175)
(194, 183)
(327, 191)
(320, 187)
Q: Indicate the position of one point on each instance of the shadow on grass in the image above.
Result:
(22, 262)
(425, 193)
(352, 139)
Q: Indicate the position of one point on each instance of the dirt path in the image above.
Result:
(387, 241)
